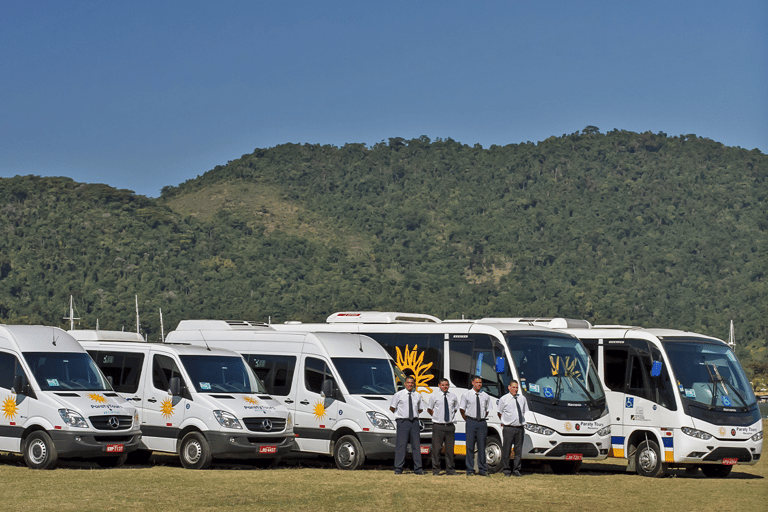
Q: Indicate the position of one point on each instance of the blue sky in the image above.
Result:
(143, 94)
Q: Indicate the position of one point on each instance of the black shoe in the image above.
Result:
(517, 473)
(419, 472)
(398, 472)
(470, 473)
(450, 473)
(436, 473)
(483, 474)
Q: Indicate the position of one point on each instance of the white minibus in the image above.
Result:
(339, 386)
(57, 404)
(200, 404)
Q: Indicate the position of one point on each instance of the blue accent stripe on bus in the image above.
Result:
(667, 442)
(617, 440)
(461, 436)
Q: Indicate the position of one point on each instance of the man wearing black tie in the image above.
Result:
(407, 404)
(474, 407)
(442, 407)
(512, 409)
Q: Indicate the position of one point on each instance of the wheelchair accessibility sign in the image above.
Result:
(630, 403)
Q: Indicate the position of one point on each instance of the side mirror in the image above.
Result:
(656, 369)
(174, 386)
(501, 364)
(328, 390)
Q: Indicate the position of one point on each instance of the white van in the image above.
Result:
(193, 402)
(338, 385)
(57, 404)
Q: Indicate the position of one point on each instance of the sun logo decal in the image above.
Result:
(568, 426)
(568, 367)
(9, 407)
(166, 408)
(319, 410)
(413, 361)
(99, 399)
(250, 400)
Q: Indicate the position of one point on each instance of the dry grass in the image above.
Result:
(166, 486)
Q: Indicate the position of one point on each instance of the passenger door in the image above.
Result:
(316, 415)
(15, 405)
(163, 413)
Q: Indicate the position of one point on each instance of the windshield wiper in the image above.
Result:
(590, 398)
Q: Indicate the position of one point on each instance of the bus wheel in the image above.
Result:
(493, 455)
(716, 470)
(195, 452)
(348, 453)
(648, 460)
(39, 451)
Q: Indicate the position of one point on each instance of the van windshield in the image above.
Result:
(366, 376)
(57, 371)
(221, 374)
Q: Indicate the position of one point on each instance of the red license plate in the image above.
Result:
(268, 449)
(115, 448)
(730, 462)
(573, 456)
(425, 450)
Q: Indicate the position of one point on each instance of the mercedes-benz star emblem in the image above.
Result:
(266, 425)
(114, 422)
(421, 426)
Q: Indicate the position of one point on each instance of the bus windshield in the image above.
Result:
(708, 373)
(555, 368)
(57, 371)
(221, 374)
(366, 376)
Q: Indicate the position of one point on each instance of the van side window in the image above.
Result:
(163, 369)
(276, 372)
(123, 367)
(315, 372)
(9, 368)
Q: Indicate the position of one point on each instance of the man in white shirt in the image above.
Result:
(407, 404)
(512, 409)
(474, 407)
(443, 407)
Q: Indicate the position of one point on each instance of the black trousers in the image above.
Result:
(443, 434)
(512, 436)
(477, 433)
(407, 430)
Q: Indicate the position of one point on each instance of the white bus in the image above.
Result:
(677, 399)
(568, 420)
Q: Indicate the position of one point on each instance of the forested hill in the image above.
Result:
(640, 229)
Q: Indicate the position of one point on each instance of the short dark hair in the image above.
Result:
(513, 381)
(410, 377)
(476, 377)
(442, 380)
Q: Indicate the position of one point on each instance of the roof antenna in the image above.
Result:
(360, 338)
(53, 335)
(206, 341)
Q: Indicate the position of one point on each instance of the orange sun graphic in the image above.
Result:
(9, 407)
(414, 361)
(97, 398)
(166, 409)
(250, 400)
(319, 411)
(568, 366)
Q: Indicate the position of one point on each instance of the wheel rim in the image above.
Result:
(492, 454)
(347, 454)
(38, 451)
(193, 452)
(648, 460)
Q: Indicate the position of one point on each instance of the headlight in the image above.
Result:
(380, 421)
(227, 420)
(698, 434)
(72, 418)
(757, 436)
(538, 429)
(604, 431)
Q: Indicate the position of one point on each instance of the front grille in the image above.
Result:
(113, 439)
(425, 425)
(585, 449)
(111, 422)
(264, 424)
(741, 454)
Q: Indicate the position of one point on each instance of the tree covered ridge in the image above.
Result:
(629, 228)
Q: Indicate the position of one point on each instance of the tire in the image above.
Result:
(348, 453)
(194, 451)
(39, 451)
(493, 454)
(716, 470)
(111, 462)
(648, 461)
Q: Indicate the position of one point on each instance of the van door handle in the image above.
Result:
(135, 399)
(288, 401)
(151, 400)
(304, 402)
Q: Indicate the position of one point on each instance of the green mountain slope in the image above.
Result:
(628, 228)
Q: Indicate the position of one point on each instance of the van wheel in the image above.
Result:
(494, 458)
(716, 470)
(648, 460)
(111, 462)
(195, 452)
(39, 451)
(348, 453)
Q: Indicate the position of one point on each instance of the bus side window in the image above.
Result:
(591, 346)
(615, 367)
(428, 348)
(664, 390)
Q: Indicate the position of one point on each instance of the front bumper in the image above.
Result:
(90, 444)
(229, 445)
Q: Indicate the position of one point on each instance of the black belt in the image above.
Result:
(512, 426)
(438, 423)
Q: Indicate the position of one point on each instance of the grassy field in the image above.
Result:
(317, 486)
